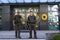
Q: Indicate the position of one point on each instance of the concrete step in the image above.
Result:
(11, 34)
(22, 39)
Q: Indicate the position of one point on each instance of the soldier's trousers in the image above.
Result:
(32, 26)
(17, 30)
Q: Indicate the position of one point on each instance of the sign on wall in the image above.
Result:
(44, 17)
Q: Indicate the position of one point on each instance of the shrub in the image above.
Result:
(56, 37)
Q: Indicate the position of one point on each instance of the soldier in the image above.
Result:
(32, 23)
(17, 24)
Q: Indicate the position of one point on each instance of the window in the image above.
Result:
(4, 1)
(0, 16)
(20, 1)
(53, 17)
(35, 0)
(12, 1)
(43, 0)
(27, 1)
(25, 12)
(51, 0)
(57, 0)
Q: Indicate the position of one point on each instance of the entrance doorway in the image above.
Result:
(24, 12)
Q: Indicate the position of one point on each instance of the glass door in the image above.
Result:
(53, 17)
(25, 12)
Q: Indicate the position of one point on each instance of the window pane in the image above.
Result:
(21, 1)
(27, 1)
(12, 1)
(21, 13)
(53, 16)
(4, 1)
(49, 8)
(50, 15)
(53, 20)
(43, 0)
(51, 0)
(35, 0)
(57, 0)
(53, 8)
(23, 9)
(0, 2)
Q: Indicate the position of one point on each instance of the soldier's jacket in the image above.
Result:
(17, 19)
(31, 19)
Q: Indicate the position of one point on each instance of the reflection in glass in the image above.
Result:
(49, 8)
(57, 1)
(25, 12)
(12, 1)
(21, 1)
(4, 1)
(35, 0)
(51, 0)
(27, 1)
(53, 8)
(53, 17)
(43, 0)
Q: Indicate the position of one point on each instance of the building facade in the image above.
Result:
(51, 9)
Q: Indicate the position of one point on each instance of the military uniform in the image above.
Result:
(31, 24)
(17, 22)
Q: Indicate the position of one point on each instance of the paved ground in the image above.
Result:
(10, 35)
(22, 39)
